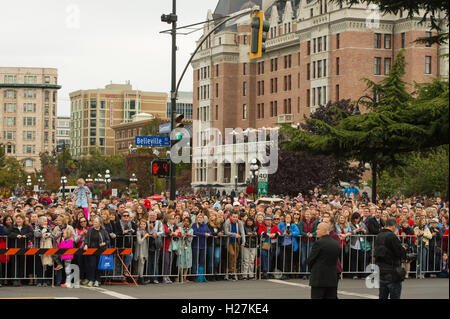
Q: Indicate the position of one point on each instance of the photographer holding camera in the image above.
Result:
(389, 253)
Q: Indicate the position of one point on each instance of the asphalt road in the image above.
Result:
(259, 289)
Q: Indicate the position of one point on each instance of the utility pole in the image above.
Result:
(172, 18)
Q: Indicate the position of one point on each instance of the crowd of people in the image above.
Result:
(215, 237)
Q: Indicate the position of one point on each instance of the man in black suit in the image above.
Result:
(322, 261)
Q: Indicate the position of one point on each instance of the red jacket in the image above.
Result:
(167, 239)
(262, 229)
(445, 240)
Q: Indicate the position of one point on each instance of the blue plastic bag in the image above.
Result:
(106, 262)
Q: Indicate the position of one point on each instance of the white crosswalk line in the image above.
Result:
(340, 292)
(110, 293)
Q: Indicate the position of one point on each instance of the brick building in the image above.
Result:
(317, 51)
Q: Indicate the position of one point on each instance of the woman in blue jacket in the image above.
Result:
(288, 244)
(201, 233)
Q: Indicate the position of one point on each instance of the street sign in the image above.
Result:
(263, 182)
(152, 140)
(164, 128)
(262, 188)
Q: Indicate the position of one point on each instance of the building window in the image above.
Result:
(319, 44)
(262, 110)
(387, 41)
(338, 61)
(387, 65)
(338, 40)
(311, 13)
(217, 112)
(308, 48)
(377, 66)
(377, 40)
(314, 45)
(244, 68)
(308, 98)
(244, 112)
(403, 40)
(313, 97)
(28, 163)
(244, 89)
(337, 92)
(325, 43)
(319, 69)
(308, 71)
(428, 35)
(324, 67)
(428, 64)
(314, 70)
(10, 107)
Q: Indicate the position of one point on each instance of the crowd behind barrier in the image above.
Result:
(210, 238)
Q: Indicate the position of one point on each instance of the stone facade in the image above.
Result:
(28, 112)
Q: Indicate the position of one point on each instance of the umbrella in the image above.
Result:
(157, 197)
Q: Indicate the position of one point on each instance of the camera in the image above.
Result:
(288, 229)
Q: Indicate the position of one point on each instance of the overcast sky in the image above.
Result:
(94, 42)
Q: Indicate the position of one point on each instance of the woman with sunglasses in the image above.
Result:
(81, 230)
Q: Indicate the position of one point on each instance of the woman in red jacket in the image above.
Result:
(269, 234)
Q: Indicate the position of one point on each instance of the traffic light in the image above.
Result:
(259, 29)
(160, 168)
(179, 124)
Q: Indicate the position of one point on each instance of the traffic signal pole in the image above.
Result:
(172, 18)
(173, 98)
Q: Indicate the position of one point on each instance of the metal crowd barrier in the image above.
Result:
(222, 257)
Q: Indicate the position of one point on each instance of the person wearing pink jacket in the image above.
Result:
(67, 243)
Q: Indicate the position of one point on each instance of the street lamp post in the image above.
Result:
(63, 183)
(99, 180)
(133, 180)
(254, 167)
(41, 182)
(374, 162)
(29, 182)
(107, 178)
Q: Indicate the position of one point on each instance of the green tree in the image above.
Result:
(11, 173)
(152, 128)
(397, 124)
(424, 173)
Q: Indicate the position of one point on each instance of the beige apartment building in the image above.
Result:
(28, 108)
(316, 51)
(94, 112)
(63, 130)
